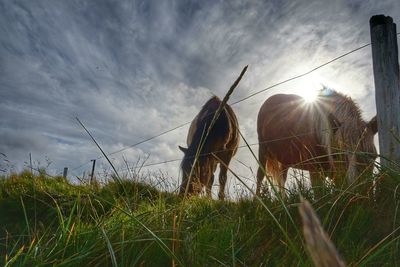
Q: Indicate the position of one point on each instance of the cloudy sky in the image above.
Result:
(130, 70)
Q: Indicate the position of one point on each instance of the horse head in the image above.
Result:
(360, 151)
(195, 172)
(365, 154)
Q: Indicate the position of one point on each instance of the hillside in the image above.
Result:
(50, 222)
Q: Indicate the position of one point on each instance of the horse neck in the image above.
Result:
(352, 124)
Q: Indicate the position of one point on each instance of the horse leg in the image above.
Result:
(223, 170)
(262, 158)
(282, 181)
(209, 185)
(317, 183)
(222, 181)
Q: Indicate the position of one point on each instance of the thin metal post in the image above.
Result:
(92, 174)
(65, 173)
(30, 162)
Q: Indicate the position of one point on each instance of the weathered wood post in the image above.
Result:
(387, 97)
(387, 88)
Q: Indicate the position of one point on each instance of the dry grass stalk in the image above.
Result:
(320, 247)
(173, 238)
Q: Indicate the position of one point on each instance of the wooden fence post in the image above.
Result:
(387, 88)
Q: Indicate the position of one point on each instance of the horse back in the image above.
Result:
(286, 130)
(223, 135)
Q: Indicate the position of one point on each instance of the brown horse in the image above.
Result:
(321, 137)
(221, 143)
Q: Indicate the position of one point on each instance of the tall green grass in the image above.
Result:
(51, 222)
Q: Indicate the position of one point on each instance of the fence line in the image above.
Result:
(234, 103)
(239, 147)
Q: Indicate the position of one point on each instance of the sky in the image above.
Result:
(130, 70)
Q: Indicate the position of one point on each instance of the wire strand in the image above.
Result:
(236, 102)
(239, 147)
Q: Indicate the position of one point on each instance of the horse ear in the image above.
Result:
(183, 149)
(373, 124)
(334, 122)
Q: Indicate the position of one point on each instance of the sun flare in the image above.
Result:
(309, 94)
(309, 87)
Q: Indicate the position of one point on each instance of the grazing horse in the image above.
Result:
(221, 144)
(322, 137)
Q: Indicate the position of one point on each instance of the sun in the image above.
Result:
(309, 87)
(309, 94)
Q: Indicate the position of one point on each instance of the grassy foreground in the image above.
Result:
(50, 222)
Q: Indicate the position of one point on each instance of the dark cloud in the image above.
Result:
(132, 69)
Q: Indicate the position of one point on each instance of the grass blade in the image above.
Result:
(110, 248)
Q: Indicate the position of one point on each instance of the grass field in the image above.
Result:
(50, 222)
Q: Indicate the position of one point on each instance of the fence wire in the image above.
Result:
(232, 104)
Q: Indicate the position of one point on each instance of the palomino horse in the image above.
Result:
(321, 137)
(221, 143)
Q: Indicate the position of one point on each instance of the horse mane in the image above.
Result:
(345, 111)
(349, 114)
(219, 129)
(323, 129)
(344, 107)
